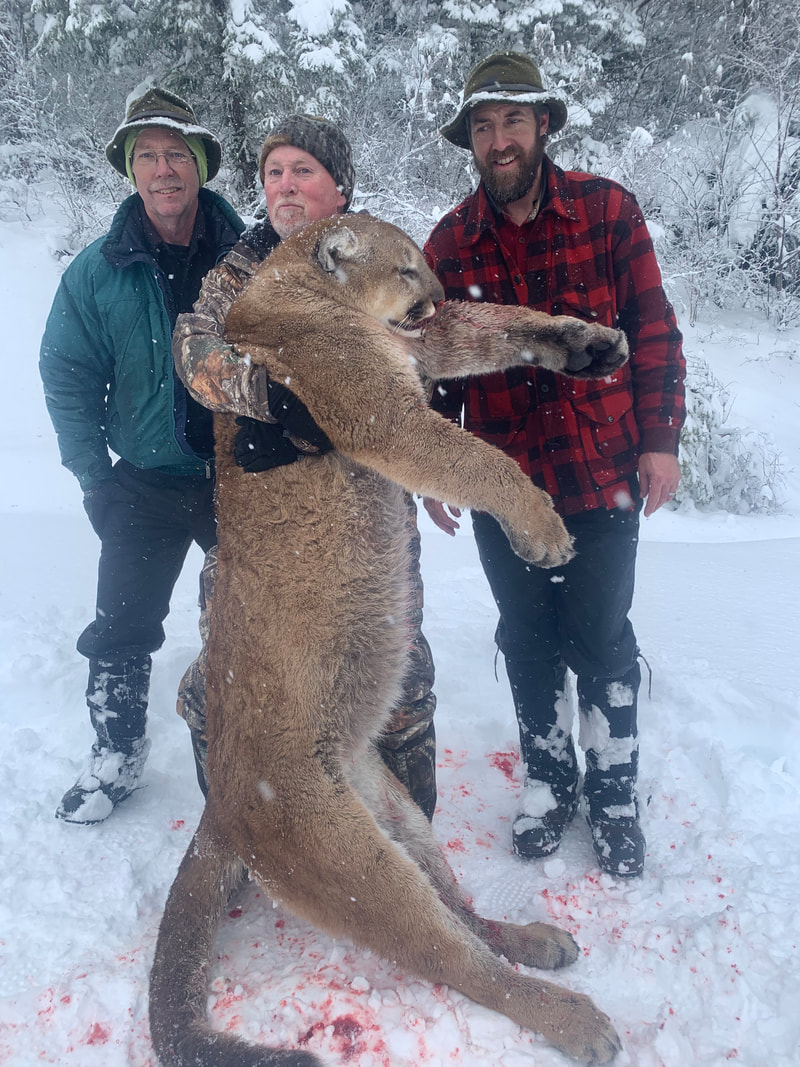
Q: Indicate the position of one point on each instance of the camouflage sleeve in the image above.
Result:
(209, 367)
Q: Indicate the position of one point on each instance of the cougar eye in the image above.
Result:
(411, 273)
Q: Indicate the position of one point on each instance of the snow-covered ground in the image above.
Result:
(696, 963)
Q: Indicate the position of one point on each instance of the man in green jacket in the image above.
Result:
(110, 385)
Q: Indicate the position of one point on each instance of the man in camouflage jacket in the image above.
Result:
(306, 168)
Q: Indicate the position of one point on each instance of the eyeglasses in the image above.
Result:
(149, 160)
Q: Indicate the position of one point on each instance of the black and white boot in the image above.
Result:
(117, 697)
(550, 795)
(608, 736)
(548, 801)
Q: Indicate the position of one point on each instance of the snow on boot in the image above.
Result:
(619, 844)
(108, 778)
(544, 717)
(543, 818)
(608, 735)
(550, 796)
(117, 698)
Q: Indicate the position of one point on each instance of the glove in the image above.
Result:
(294, 416)
(99, 499)
(260, 446)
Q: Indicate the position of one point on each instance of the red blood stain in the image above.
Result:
(177, 824)
(346, 1035)
(505, 762)
(98, 1035)
(456, 846)
(235, 913)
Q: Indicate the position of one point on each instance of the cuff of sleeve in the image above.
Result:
(660, 439)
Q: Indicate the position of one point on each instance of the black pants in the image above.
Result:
(574, 616)
(577, 613)
(145, 542)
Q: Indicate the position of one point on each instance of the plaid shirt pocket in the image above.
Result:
(606, 427)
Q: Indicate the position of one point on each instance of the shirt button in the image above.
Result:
(545, 388)
(610, 418)
(517, 279)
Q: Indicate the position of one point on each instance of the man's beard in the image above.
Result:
(506, 188)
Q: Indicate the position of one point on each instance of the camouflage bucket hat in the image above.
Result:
(160, 109)
(504, 77)
(321, 139)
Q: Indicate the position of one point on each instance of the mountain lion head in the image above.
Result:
(376, 268)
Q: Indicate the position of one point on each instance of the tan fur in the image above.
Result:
(308, 637)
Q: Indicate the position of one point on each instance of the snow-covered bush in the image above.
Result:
(722, 466)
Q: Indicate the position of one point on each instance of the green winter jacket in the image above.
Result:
(106, 355)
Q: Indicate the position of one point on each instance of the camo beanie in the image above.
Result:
(321, 139)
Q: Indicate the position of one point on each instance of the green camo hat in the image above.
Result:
(504, 77)
(160, 109)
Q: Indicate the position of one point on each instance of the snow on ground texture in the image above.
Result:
(696, 963)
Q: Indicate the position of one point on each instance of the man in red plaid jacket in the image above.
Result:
(565, 243)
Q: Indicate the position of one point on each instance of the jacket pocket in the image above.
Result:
(606, 427)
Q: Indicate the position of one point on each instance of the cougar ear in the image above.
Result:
(335, 247)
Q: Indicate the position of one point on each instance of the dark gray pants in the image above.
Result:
(574, 617)
(144, 544)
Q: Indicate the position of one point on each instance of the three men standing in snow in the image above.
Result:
(531, 234)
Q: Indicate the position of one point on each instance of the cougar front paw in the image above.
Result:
(547, 544)
(594, 351)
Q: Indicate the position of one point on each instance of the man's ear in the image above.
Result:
(335, 247)
(544, 122)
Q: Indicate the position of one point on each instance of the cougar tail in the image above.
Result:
(208, 874)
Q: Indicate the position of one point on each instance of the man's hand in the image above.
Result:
(101, 497)
(659, 475)
(294, 416)
(440, 517)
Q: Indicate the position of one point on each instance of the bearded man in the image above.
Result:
(565, 243)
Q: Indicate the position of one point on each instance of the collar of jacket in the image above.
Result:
(558, 198)
(127, 243)
(260, 238)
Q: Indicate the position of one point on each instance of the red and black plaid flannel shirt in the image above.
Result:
(587, 254)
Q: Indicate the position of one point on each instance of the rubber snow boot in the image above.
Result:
(550, 795)
(612, 763)
(619, 844)
(117, 697)
(108, 778)
(547, 804)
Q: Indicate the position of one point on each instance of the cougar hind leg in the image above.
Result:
(535, 944)
(382, 900)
